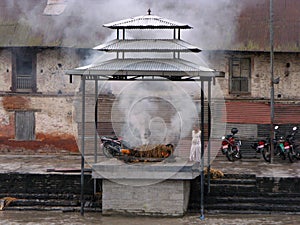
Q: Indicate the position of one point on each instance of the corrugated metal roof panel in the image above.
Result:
(146, 22)
(169, 65)
(152, 45)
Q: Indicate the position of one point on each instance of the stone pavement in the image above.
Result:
(279, 168)
(57, 218)
(42, 163)
(37, 164)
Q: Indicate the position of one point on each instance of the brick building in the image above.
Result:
(39, 41)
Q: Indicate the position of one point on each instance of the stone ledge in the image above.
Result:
(115, 169)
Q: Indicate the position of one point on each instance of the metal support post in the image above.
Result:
(96, 131)
(209, 133)
(82, 147)
(271, 82)
(202, 151)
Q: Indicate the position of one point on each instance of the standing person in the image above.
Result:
(195, 152)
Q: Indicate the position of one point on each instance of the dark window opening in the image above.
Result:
(240, 74)
(24, 125)
(24, 70)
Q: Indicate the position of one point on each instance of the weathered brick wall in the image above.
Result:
(53, 104)
(5, 70)
(51, 67)
(260, 74)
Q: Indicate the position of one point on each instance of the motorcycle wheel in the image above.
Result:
(224, 151)
(229, 154)
(238, 155)
(106, 151)
(266, 153)
(292, 155)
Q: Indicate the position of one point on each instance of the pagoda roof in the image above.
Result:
(144, 67)
(147, 45)
(147, 22)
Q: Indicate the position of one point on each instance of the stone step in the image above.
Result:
(50, 204)
(49, 200)
(44, 202)
(40, 196)
(256, 195)
(233, 189)
(233, 181)
(52, 208)
(258, 200)
(237, 176)
(255, 206)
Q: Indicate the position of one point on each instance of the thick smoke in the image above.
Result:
(213, 21)
(155, 112)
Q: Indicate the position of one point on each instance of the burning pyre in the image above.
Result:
(148, 153)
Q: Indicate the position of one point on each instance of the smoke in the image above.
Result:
(155, 112)
(213, 22)
(80, 23)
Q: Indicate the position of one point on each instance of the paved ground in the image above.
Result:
(38, 164)
(74, 218)
(41, 163)
(259, 167)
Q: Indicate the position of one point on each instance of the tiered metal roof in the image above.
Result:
(145, 67)
(127, 67)
(147, 22)
(147, 45)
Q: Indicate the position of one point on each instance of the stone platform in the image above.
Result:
(153, 189)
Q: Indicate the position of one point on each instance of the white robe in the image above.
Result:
(195, 152)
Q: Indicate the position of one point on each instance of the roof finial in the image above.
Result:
(149, 11)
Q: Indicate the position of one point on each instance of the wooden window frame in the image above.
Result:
(16, 54)
(240, 77)
(25, 125)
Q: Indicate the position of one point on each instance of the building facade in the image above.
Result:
(37, 98)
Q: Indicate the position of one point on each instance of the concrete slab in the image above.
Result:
(116, 169)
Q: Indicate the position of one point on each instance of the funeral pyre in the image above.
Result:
(148, 153)
(115, 147)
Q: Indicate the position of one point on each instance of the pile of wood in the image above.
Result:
(148, 153)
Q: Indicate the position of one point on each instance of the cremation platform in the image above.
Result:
(153, 189)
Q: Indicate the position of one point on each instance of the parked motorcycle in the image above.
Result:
(283, 146)
(231, 146)
(112, 146)
(264, 146)
(117, 147)
(290, 147)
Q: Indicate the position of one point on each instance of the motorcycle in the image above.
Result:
(283, 146)
(117, 147)
(230, 146)
(290, 147)
(112, 146)
(264, 146)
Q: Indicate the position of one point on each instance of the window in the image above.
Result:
(240, 74)
(24, 70)
(24, 125)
